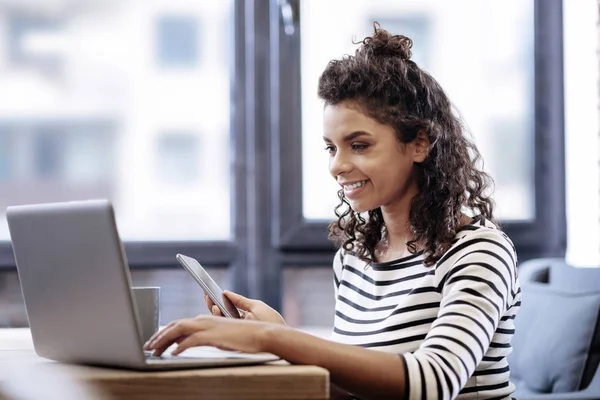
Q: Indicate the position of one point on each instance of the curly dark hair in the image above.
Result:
(385, 84)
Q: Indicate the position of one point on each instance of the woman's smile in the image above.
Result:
(354, 189)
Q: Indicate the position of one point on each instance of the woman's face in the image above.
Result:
(368, 161)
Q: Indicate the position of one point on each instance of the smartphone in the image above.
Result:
(209, 286)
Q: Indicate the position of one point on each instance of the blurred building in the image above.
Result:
(128, 100)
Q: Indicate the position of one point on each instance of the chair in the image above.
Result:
(556, 346)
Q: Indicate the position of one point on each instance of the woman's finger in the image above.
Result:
(186, 343)
(240, 301)
(159, 351)
(169, 335)
(157, 333)
(214, 310)
(208, 301)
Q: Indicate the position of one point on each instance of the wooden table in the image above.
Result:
(274, 381)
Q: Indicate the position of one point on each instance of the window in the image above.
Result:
(486, 72)
(96, 129)
(31, 40)
(511, 151)
(67, 151)
(501, 65)
(47, 153)
(416, 26)
(200, 121)
(185, 170)
(177, 158)
(177, 41)
(88, 154)
(46, 161)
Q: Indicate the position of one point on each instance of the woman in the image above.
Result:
(426, 283)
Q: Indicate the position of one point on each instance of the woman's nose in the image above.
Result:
(338, 165)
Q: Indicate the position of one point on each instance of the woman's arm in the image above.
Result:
(477, 289)
(364, 373)
(475, 294)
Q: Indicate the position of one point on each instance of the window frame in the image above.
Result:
(305, 241)
(212, 253)
(253, 265)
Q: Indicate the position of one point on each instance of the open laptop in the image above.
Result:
(76, 286)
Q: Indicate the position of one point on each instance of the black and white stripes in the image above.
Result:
(452, 323)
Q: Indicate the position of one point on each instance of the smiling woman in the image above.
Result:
(363, 160)
(425, 282)
(418, 155)
(371, 165)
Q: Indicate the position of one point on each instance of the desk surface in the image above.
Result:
(273, 381)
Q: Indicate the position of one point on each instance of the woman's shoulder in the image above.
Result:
(348, 258)
(481, 235)
(480, 226)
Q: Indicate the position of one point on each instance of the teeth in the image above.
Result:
(355, 185)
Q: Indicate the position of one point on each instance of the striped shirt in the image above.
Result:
(452, 323)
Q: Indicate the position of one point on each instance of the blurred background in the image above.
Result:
(200, 121)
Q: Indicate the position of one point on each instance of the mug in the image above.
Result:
(147, 300)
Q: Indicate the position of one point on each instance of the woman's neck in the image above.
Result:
(397, 226)
(398, 233)
(396, 218)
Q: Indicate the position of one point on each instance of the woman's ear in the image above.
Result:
(421, 147)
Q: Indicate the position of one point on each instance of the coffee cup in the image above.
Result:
(147, 300)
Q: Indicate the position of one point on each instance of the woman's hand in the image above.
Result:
(255, 310)
(204, 330)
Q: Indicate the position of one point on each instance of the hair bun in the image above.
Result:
(382, 43)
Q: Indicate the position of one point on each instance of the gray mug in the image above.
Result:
(147, 299)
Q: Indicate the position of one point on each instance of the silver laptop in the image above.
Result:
(76, 286)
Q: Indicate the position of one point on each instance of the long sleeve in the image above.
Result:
(477, 280)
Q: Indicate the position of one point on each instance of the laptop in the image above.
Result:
(76, 285)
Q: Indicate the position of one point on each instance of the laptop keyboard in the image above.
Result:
(209, 354)
(164, 356)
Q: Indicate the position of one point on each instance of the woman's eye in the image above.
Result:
(359, 146)
(329, 148)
